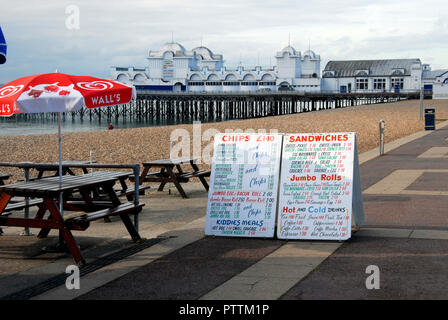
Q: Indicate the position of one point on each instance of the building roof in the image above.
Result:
(353, 68)
(433, 73)
(177, 49)
(310, 53)
(290, 50)
(206, 54)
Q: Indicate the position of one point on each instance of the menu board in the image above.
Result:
(242, 199)
(317, 186)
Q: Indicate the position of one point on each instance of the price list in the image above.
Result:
(315, 200)
(242, 199)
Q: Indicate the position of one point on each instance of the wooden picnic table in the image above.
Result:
(53, 168)
(45, 193)
(170, 170)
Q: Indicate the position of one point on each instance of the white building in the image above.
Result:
(393, 75)
(438, 80)
(173, 68)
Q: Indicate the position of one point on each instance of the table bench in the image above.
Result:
(170, 170)
(125, 191)
(82, 221)
(49, 189)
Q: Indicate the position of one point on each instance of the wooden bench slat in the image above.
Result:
(130, 190)
(22, 205)
(125, 208)
(200, 173)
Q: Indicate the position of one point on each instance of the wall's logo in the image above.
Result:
(10, 91)
(72, 22)
(95, 85)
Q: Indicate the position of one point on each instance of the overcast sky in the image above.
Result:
(120, 33)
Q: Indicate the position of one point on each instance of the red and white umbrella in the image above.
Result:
(58, 92)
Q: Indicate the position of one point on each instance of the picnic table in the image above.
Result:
(45, 194)
(170, 170)
(53, 168)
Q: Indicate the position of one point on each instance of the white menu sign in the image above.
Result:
(242, 199)
(319, 187)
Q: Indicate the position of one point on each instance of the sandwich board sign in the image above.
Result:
(242, 198)
(320, 189)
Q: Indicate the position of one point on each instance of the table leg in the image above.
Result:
(130, 227)
(70, 172)
(124, 217)
(109, 189)
(4, 199)
(176, 182)
(203, 181)
(144, 173)
(39, 216)
(163, 183)
(64, 233)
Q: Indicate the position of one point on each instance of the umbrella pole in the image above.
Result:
(61, 205)
(60, 246)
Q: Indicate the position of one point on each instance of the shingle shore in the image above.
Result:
(151, 143)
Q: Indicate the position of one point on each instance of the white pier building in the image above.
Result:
(174, 68)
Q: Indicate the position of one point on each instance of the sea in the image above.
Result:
(13, 127)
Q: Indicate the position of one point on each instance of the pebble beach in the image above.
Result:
(152, 143)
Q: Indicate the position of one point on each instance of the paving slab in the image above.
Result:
(188, 273)
(408, 269)
(275, 274)
(384, 233)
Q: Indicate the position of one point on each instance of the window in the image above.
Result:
(379, 84)
(397, 81)
(212, 83)
(362, 84)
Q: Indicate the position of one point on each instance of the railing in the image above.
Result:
(260, 92)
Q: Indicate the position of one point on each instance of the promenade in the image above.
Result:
(405, 235)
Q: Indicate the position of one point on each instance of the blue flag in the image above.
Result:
(2, 47)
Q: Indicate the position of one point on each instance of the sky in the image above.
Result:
(44, 36)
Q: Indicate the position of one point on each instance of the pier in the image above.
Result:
(186, 107)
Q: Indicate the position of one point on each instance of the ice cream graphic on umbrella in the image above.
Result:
(50, 89)
(44, 95)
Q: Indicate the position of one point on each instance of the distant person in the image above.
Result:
(111, 127)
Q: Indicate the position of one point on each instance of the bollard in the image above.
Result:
(430, 119)
(382, 126)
